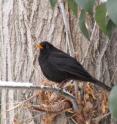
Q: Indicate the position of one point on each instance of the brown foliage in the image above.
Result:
(92, 102)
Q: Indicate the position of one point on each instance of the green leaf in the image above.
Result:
(112, 10)
(73, 6)
(113, 102)
(53, 3)
(100, 17)
(83, 26)
(110, 27)
(87, 5)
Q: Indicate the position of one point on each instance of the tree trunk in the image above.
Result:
(20, 20)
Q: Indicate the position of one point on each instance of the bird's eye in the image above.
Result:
(46, 46)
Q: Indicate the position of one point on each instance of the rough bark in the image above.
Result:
(19, 20)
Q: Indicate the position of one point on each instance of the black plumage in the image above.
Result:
(58, 66)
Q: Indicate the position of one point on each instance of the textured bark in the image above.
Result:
(19, 20)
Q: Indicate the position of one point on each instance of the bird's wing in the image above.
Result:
(65, 63)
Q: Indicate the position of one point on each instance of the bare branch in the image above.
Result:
(99, 59)
(18, 85)
(67, 28)
(101, 117)
(57, 107)
(91, 42)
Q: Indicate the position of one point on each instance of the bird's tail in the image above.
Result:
(101, 84)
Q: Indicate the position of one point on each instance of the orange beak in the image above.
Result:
(39, 46)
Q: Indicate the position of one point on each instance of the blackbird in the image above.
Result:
(58, 66)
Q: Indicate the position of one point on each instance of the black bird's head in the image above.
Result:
(44, 47)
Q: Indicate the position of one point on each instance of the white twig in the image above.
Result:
(91, 42)
(10, 84)
(98, 61)
(93, 32)
(21, 103)
(67, 28)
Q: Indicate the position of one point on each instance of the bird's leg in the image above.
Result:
(46, 82)
(75, 83)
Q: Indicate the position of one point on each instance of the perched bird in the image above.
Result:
(58, 66)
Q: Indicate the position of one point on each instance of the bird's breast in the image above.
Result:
(51, 72)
